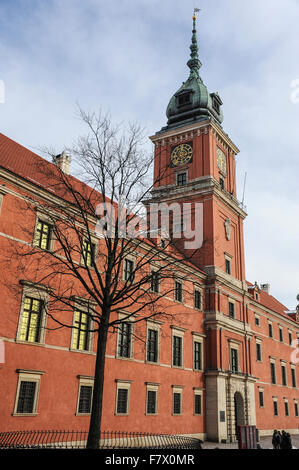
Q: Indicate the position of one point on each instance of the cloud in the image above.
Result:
(129, 57)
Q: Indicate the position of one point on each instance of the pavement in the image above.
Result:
(265, 443)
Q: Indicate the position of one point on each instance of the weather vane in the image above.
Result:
(196, 10)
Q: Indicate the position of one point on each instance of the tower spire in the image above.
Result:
(194, 63)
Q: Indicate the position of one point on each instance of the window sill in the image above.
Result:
(24, 414)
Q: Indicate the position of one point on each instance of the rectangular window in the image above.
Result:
(122, 401)
(197, 299)
(228, 268)
(26, 397)
(181, 179)
(177, 403)
(275, 408)
(197, 404)
(221, 181)
(30, 328)
(290, 338)
(152, 345)
(261, 398)
(88, 253)
(124, 340)
(85, 397)
(283, 375)
(42, 236)
(129, 270)
(273, 373)
(81, 333)
(296, 409)
(270, 330)
(155, 281)
(197, 355)
(280, 335)
(294, 382)
(258, 351)
(257, 321)
(151, 407)
(177, 353)
(178, 291)
(234, 360)
(231, 309)
(286, 408)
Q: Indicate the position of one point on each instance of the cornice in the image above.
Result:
(181, 134)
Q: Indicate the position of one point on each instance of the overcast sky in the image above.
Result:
(128, 57)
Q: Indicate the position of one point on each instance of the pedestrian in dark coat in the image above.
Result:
(276, 440)
(285, 440)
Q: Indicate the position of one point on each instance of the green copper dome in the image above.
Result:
(193, 102)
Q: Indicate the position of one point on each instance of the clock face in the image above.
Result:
(181, 154)
(221, 160)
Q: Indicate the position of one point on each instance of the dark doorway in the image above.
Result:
(239, 410)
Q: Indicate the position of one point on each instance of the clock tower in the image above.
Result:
(195, 163)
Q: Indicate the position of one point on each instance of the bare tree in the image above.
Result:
(96, 249)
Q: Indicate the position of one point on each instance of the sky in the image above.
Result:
(128, 58)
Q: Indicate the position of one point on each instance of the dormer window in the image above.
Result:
(216, 105)
(184, 99)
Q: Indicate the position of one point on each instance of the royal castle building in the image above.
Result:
(227, 357)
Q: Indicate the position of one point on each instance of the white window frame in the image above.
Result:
(151, 325)
(236, 346)
(123, 384)
(122, 316)
(284, 363)
(198, 392)
(197, 338)
(38, 293)
(200, 290)
(151, 387)
(179, 332)
(79, 306)
(129, 258)
(177, 389)
(84, 381)
(47, 220)
(28, 376)
(179, 281)
(260, 342)
(95, 243)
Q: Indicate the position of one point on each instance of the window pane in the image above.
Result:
(176, 403)
(124, 340)
(31, 320)
(197, 355)
(197, 404)
(152, 345)
(26, 397)
(261, 398)
(151, 401)
(85, 399)
(178, 291)
(155, 281)
(42, 235)
(80, 333)
(234, 360)
(128, 271)
(197, 299)
(122, 400)
(177, 351)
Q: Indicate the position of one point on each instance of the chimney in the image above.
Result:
(266, 288)
(63, 162)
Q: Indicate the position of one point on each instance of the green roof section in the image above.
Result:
(193, 102)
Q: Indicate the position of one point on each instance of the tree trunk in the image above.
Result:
(94, 433)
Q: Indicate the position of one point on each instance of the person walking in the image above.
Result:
(276, 440)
